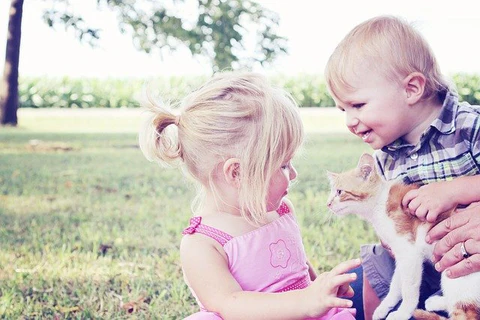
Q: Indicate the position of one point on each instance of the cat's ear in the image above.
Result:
(365, 171)
(366, 159)
(332, 177)
(366, 164)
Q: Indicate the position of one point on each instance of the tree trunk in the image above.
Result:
(9, 87)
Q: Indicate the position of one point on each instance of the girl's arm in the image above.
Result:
(206, 270)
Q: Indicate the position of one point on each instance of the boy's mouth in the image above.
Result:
(365, 135)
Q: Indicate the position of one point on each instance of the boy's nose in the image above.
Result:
(351, 122)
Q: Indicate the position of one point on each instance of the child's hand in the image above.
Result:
(429, 201)
(326, 291)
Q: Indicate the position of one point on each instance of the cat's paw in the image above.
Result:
(436, 303)
(398, 315)
(381, 312)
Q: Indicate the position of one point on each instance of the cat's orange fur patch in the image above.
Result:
(426, 315)
(405, 223)
(466, 312)
(461, 312)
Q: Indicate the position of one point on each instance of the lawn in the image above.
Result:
(89, 229)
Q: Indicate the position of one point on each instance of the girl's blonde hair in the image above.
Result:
(234, 115)
(390, 45)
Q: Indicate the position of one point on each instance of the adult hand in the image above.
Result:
(462, 227)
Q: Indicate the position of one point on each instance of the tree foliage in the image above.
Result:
(217, 29)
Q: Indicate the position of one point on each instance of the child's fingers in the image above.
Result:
(346, 291)
(421, 212)
(431, 216)
(346, 266)
(409, 196)
(339, 303)
(342, 279)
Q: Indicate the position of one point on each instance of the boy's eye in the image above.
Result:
(339, 192)
(358, 105)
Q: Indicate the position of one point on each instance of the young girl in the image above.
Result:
(242, 255)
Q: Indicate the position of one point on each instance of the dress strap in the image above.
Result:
(283, 209)
(197, 226)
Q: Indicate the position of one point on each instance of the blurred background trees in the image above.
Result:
(218, 30)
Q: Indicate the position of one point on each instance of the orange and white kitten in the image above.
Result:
(363, 192)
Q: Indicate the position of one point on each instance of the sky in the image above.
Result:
(312, 28)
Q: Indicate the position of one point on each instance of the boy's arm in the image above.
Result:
(430, 200)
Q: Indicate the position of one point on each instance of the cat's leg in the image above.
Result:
(410, 267)
(394, 295)
(436, 303)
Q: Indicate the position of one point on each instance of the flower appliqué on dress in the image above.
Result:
(279, 254)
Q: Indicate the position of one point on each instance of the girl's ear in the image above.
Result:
(231, 171)
(414, 85)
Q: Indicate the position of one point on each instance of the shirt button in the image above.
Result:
(414, 156)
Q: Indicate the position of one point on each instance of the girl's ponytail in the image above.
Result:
(158, 139)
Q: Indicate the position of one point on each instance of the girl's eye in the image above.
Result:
(358, 105)
(339, 192)
(286, 166)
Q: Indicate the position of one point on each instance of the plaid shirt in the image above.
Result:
(449, 147)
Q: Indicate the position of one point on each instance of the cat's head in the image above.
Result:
(353, 191)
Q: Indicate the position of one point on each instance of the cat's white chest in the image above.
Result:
(465, 288)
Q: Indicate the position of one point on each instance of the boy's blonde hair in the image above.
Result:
(234, 115)
(390, 45)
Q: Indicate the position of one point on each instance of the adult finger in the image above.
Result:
(464, 267)
(446, 226)
(456, 263)
(346, 266)
(451, 239)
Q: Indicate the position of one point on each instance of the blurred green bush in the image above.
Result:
(308, 90)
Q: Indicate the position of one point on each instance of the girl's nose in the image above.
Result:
(293, 173)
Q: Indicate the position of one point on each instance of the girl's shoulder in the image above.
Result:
(287, 205)
(231, 226)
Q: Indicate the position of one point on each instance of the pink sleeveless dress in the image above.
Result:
(268, 259)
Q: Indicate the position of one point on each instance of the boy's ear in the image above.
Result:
(414, 85)
(231, 171)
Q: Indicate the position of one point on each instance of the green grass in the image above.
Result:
(89, 232)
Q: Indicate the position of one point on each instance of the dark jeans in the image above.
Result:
(357, 287)
(357, 299)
